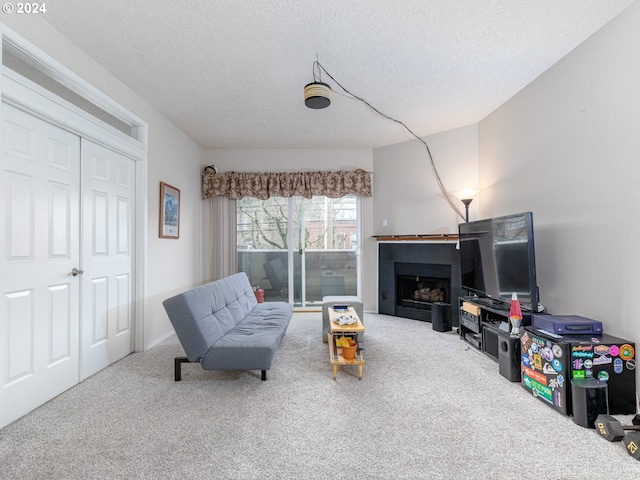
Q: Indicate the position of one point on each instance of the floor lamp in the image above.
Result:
(466, 197)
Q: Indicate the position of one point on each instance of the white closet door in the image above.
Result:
(108, 200)
(39, 245)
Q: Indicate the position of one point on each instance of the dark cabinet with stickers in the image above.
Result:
(550, 361)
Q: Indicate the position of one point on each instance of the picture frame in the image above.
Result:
(169, 211)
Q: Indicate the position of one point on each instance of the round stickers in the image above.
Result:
(626, 352)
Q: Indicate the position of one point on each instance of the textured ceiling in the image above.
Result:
(231, 73)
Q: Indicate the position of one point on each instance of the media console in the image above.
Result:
(487, 328)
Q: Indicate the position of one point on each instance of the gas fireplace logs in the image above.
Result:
(429, 294)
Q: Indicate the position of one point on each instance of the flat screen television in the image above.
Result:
(497, 258)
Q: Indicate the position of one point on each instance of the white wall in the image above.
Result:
(290, 160)
(406, 193)
(566, 148)
(301, 160)
(172, 265)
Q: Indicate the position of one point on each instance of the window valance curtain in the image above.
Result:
(237, 185)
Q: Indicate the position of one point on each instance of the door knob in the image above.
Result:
(75, 272)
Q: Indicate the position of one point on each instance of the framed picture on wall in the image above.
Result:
(169, 211)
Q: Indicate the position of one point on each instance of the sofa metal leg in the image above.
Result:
(264, 375)
(177, 366)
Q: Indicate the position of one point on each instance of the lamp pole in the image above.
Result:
(466, 202)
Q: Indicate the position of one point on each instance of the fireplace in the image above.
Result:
(412, 277)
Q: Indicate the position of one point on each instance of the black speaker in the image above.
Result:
(509, 357)
(441, 317)
(589, 397)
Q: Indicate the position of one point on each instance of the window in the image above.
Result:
(298, 249)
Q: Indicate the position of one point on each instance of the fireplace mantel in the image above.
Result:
(447, 237)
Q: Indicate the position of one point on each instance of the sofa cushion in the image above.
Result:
(252, 344)
(204, 315)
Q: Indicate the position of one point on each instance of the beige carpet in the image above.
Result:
(426, 408)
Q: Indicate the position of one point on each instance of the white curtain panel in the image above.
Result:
(224, 253)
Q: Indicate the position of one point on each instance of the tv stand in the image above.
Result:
(482, 325)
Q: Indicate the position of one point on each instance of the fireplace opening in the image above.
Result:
(415, 291)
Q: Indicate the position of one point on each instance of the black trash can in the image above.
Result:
(589, 398)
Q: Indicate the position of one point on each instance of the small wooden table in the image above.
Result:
(336, 331)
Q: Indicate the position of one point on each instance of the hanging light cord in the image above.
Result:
(317, 66)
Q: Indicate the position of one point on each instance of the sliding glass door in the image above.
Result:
(298, 249)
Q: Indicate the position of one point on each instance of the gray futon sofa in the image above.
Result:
(222, 326)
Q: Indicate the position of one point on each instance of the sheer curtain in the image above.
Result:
(223, 235)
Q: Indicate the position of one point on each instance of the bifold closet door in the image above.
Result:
(66, 277)
(108, 184)
(39, 245)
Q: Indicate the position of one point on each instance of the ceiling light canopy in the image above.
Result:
(317, 95)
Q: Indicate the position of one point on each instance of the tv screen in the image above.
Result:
(497, 258)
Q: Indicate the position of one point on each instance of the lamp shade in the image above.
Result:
(466, 194)
(317, 95)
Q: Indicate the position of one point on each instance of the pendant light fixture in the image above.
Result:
(317, 94)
